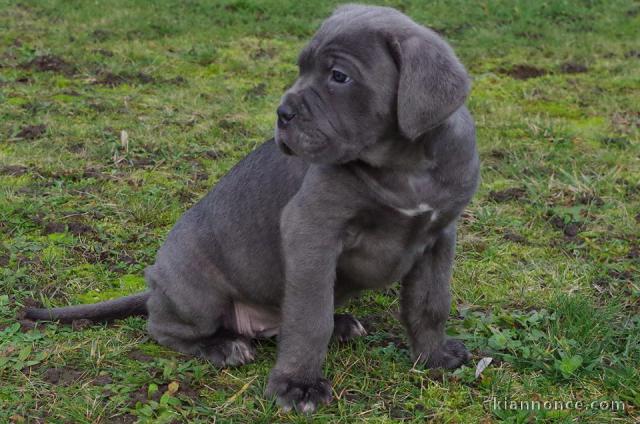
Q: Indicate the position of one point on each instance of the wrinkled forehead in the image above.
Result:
(358, 33)
(361, 46)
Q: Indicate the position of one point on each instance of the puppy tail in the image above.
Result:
(122, 307)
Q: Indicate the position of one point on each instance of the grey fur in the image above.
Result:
(378, 170)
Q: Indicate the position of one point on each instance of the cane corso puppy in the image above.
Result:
(373, 161)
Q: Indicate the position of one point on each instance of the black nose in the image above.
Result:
(285, 114)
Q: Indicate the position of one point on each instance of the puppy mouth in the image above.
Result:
(300, 142)
(285, 149)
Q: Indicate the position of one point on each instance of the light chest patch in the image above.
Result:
(422, 208)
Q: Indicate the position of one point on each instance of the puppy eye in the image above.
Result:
(339, 77)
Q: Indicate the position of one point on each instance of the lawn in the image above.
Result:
(117, 116)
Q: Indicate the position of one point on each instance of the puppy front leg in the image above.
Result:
(425, 305)
(310, 255)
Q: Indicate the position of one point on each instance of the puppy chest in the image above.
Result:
(379, 253)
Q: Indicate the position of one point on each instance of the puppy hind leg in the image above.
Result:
(197, 335)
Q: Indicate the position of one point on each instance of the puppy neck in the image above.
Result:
(403, 173)
(395, 153)
(442, 152)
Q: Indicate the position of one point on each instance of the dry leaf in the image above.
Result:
(482, 365)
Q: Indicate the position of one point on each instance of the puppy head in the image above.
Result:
(369, 74)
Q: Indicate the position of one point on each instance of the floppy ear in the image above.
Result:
(432, 83)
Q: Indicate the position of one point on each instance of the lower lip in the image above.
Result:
(287, 150)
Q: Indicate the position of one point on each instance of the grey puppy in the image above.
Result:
(380, 162)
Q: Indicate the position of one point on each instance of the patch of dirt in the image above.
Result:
(29, 302)
(53, 227)
(435, 374)
(102, 380)
(24, 80)
(123, 419)
(399, 413)
(569, 229)
(179, 80)
(76, 147)
(514, 237)
(632, 54)
(617, 142)
(61, 376)
(590, 199)
(626, 121)
(34, 263)
(94, 173)
(634, 252)
(633, 12)
(138, 355)
(262, 53)
(104, 52)
(142, 162)
(101, 34)
(76, 228)
(29, 191)
(256, 91)
(497, 154)
(514, 193)
(32, 132)
(27, 325)
(49, 63)
(112, 80)
(142, 394)
(621, 276)
(4, 259)
(200, 176)
(601, 285)
(91, 256)
(214, 154)
(228, 124)
(13, 170)
(80, 324)
(126, 258)
(530, 35)
(187, 197)
(573, 68)
(187, 391)
(97, 106)
(631, 188)
(451, 30)
(351, 396)
(523, 72)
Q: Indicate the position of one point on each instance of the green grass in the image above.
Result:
(546, 278)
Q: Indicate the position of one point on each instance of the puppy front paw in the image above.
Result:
(291, 393)
(450, 354)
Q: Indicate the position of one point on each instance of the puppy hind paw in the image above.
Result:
(346, 327)
(228, 350)
(291, 394)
